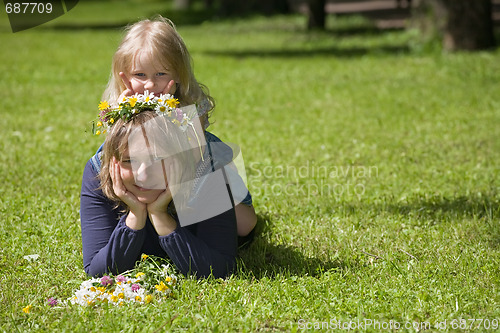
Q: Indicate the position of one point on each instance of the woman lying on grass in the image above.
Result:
(158, 193)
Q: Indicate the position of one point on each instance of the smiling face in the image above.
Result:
(149, 74)
(143, 168)
(143, 179)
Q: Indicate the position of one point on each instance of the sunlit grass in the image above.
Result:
(374, 171)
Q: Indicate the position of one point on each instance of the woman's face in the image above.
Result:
(143, 173)
(149, 74)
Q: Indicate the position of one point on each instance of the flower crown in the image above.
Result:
(164, 105)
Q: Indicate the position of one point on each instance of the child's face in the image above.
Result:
(143, 177)
(148, 74)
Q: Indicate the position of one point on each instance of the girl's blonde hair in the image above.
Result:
(161, 40)
(161, 135)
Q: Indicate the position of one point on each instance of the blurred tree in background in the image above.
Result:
(182, 4)
(459, 24)
(316, 14)
(186, 4)
(239, 7)
(456, 24)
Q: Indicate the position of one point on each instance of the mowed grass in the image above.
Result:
(373, 167)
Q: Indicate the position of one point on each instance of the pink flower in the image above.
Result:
(135, 287)
(102, 115)
(106, 281)
(179, 114)
(52, 301)
(121, 278)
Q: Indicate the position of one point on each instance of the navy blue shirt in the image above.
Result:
(110, 246)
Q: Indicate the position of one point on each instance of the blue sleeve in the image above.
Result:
(248, 200)
(209, 249)
(109, 246)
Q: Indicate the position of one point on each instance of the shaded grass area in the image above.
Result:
(373, 169)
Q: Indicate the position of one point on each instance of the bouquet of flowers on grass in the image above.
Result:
(152, 280)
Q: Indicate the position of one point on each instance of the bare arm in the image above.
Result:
(245, 219)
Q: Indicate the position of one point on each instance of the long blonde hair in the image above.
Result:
(161, 40)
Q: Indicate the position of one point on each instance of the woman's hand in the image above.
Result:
(163, 223)
(160, 204)
(136, 218)
(157, 210)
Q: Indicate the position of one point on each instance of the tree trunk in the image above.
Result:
(460, 24)
(208, 4)
(244, 7)
(231, 7)
(316, 14)
(469, 25)
(182, 4)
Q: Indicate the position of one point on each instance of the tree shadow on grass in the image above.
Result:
(429, 210)
(317, 51)
(263, 259)
(360, 30)
(179, 17)
(394, 17)
(443, 208)
(485, 209)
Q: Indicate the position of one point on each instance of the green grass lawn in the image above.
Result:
(373, 166)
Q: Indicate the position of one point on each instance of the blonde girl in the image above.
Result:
(152, 56)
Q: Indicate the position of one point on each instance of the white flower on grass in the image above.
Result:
(141, 285)
(122, 290)
(32, 257)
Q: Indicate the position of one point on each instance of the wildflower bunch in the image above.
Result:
(151, 280)
(164, 105)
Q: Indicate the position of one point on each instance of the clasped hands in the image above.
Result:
(143, 202)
